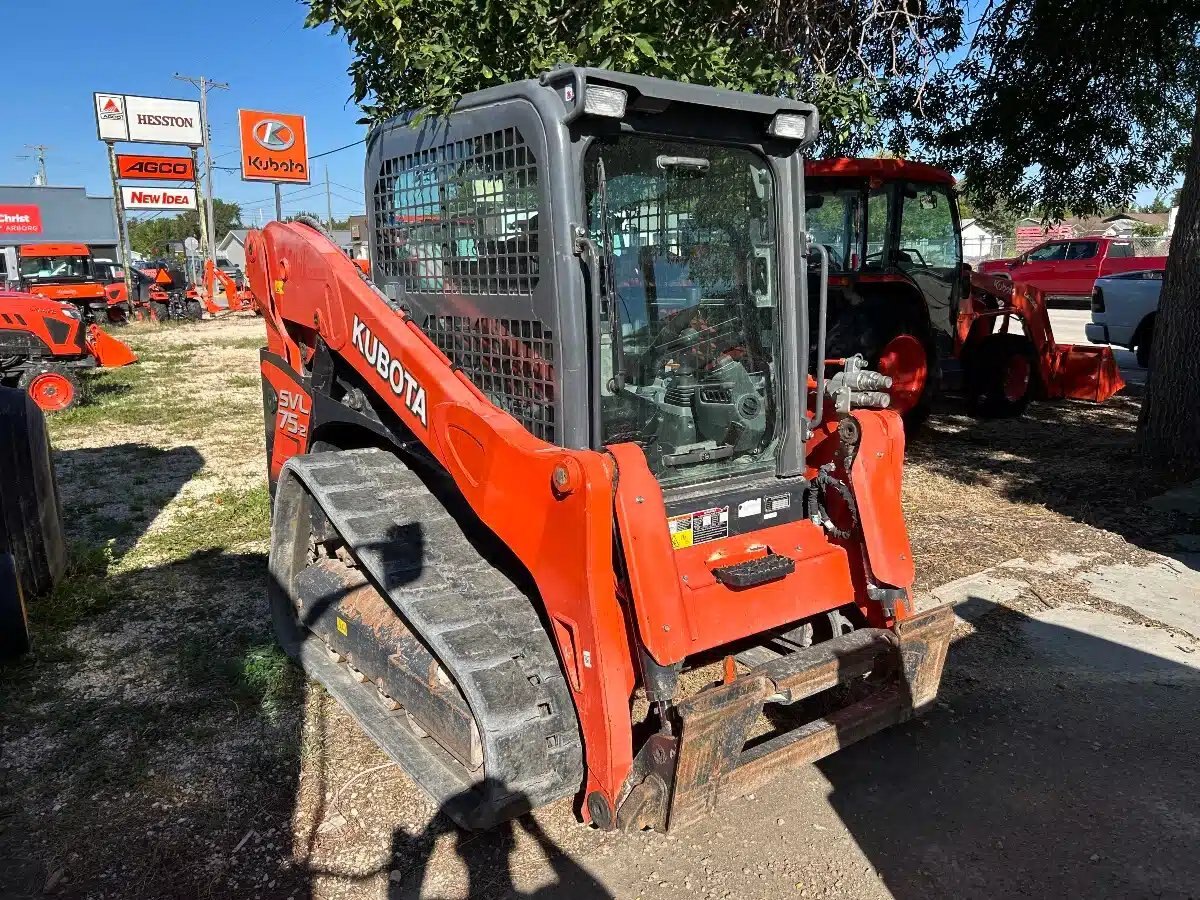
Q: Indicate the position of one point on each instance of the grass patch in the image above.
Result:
(267, 677)
(85, 590)
(220, 521)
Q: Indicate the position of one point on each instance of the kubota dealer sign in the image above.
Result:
(274, 146)
(158, 197)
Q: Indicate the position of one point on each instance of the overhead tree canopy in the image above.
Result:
(851, 58)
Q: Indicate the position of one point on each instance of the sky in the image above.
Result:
(57, 52)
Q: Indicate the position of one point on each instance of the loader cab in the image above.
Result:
(612, 259)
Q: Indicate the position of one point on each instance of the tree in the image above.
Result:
(1157, 205)
(152, 236)
(1169, 426)
(851, 59)
(1029, 125)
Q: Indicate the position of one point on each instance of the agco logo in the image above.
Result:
(271, 134)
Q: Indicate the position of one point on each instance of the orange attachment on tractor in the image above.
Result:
(566, 503)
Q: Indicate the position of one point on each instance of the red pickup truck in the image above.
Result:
(1069, 267)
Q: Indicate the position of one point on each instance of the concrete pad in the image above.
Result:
(1054, 564)
(1167, 590)
(1090, 640)
(1184, 499)
(976, 595)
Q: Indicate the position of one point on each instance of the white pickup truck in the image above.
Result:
(1123, 311)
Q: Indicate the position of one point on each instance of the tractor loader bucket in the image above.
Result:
(714, 755)
(110, 352)
(1083, 373)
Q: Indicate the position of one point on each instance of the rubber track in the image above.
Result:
(483, 629)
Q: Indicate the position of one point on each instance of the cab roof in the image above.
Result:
(55, 250)
(886, 169)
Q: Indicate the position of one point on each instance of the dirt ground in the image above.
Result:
(158, 744)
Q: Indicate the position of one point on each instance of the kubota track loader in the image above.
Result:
(901, 296)
(564, 505)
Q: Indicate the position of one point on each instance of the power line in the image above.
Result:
(338, 149)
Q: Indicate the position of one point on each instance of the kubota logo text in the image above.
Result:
(390, 369)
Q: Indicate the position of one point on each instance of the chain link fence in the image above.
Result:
(978, 249)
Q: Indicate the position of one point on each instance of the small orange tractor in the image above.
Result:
(565, 503)
(900, 294)
(45, 343)
(236, 300)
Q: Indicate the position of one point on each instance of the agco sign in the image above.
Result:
(155, 168)
(274, 146)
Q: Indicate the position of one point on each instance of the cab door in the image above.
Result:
(1079, 268)
(1041, 268)
(929, 249)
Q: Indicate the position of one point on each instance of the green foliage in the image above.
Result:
(152, 236)
(1145, 229)
(1157, 205)
(1069, 104)
(850, 59)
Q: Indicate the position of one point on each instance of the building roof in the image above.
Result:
(234, 234)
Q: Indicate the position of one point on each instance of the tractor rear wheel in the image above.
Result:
(52, 388)
(896, 343)
(162, 311)
(194, 310)
(31, 529)
(1001, 375)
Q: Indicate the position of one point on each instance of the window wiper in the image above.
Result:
(608, 289)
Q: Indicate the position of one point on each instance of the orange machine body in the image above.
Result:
(558, 509)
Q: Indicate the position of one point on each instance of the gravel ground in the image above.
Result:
(159, 746)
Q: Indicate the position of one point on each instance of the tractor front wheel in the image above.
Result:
(1001, 375)
(52, 389)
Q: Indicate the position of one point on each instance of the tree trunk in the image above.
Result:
(1168, 435)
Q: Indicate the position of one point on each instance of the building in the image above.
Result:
(44, 214)
(358, 237)
(979, 242)
(232, 246)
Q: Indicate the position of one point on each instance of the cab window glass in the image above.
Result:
(877, 220)
(928, 238)
(1081, 250)
(1048, 253)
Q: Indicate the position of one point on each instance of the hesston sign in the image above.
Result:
(155, 168)
(274, 146)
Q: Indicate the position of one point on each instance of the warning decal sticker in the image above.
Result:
(699, 527)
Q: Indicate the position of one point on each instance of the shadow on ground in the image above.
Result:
(1074, 458)
(1056, 763)
(150, 478)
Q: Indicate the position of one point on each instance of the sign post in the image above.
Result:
(122, 229)
(149, 120)
(274, 147)
(202, 208)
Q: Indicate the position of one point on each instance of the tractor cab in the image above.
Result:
(64, 272)
(891, 230)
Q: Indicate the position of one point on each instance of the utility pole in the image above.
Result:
(328, 203)
(203, 192)
(39, 179)
(205, 85)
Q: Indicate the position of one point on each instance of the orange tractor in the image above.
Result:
(45, 343)
(900, 294)
(236, 299)
(566, 504)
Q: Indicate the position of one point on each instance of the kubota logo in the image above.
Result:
(390, 369)
(271, 134)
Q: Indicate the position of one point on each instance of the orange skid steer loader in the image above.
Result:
(563, 505)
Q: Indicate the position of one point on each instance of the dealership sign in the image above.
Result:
(158, 197)
(155, 168)
(151, 120)
(274, 146)
(20, 219)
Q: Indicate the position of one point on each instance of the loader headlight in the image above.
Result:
(788, 125)
(604, 101)
(71, 311)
